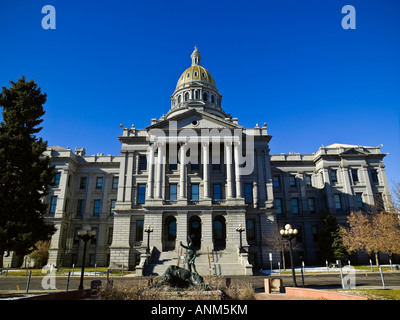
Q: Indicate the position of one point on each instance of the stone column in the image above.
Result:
(348, 193)
(206, 171)
(328, 190)
(129, 176)
(369, 194)
(383, 180)
(182, 173)
(121, 179)
(150, 179)
(237, 170)
(228, 160)
(269, 185)
(159, 170)
(261, 180)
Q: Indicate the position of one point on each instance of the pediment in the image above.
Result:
(194, 119)
(354, 152)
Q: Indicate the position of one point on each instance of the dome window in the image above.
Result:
(188, 75)
(195, 74)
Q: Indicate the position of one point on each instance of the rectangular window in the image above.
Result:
(278, 205)
(96, 208)
(311, 205)
(333, 176)
(292, 181)
(308, 180)
(276, 181)
(360, 204)
(338, 202)
(295, 205)
(82, 183)
(354, 175)
(217, 192)
(142, 163)
(374, 176)
(251, 231)
(248, 193)
(110, 235)
(112, 207)
(141, 199)
(99, 183)
(139, 230)
(81, 208)
(57, 178)
(195, 192)
(173, 189)
(115, 182)
(53, 204)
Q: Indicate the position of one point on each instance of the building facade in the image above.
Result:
(196, 172)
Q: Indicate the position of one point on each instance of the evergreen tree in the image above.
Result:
(330, 240)
(25, 174)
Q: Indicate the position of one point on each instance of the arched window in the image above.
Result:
(179, 99)
(171, 230)
(218, 230)
(186, 96)
(205, 96)
(212, 99)
(196, 94)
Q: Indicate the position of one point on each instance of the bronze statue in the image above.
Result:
(179, 277)
(190, 255)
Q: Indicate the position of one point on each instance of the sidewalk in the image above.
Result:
(278, 296)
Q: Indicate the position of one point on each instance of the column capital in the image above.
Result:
(205, 144)
(236, 144)
(228, 143)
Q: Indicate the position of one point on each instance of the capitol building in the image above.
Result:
(196, 172)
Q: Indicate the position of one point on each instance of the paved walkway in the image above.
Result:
(278, 296)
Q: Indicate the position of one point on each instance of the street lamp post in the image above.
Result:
(289, 233)
(148, 230)
(240, 229)
(85, 234)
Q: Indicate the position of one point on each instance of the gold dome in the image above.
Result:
(195, 73)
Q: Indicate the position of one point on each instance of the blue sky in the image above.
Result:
(287, 63)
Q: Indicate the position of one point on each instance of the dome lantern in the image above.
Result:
(196, 56)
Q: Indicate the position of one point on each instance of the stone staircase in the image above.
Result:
(222, 262)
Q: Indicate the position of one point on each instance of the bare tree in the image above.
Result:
(373, 231)
(275, 242)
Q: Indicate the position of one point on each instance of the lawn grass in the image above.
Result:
(376, 294)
